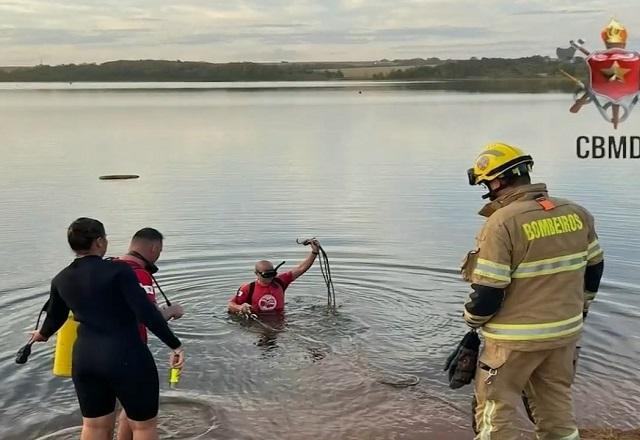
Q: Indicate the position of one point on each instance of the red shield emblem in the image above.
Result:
(614, 73)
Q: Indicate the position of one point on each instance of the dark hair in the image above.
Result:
(83, 231)
(148, 234)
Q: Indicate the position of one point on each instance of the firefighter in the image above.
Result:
(536, 268)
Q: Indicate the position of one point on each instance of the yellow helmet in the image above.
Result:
(498, 160)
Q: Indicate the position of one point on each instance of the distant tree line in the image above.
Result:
(490, 68)
(533, 67)
(155, 70)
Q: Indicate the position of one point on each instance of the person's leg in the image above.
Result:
(147, 430)
(124, 429)
(529, 404)
(97, 402)
(98, 428)
(550, 391)
(138, 390)
(500, 378)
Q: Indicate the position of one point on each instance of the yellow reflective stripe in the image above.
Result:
(476, 319)
(550, 271)
(552, 260)
(528, 332)
(594, 253)
(491, 269)
(483, 273)
(575, 435)
(502, 337)
(535, 326)
(504, 267)
(564, 263)
(594, 249)
(487, 418)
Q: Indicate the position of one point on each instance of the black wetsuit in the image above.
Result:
(110, 360)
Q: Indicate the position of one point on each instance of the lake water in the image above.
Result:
(235, 174)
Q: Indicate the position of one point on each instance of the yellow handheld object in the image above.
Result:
(64, 347)
(174, 377)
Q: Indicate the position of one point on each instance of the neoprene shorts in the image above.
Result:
(104, 371)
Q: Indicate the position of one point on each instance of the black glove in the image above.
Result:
(22, 356)
(462, 363)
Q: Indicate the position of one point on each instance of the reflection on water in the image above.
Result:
(538, 85)
(231, 178)
(183, 418)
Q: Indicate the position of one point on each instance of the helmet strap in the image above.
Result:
(492, 194)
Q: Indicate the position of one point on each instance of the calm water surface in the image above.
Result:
(231, 176)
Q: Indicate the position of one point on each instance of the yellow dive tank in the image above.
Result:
(65, 339)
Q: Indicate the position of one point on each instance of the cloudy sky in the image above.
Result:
(66, 31)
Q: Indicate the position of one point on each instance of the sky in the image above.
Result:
(78, 31)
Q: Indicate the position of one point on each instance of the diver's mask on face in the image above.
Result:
(271, 273)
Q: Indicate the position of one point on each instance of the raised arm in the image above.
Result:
(306, 264)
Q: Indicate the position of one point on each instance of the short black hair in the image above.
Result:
(148, 234)
(83, 231)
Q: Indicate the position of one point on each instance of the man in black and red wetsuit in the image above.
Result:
(144, 251)
(266, 293)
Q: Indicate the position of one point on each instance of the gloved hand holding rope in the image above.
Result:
(325, 269)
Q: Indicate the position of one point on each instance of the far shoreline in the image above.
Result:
(534, 73)
(478, 85)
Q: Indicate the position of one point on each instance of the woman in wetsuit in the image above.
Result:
(110, 360)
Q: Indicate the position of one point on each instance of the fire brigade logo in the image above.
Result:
(267, 303)
(482, 163)
(614, 76)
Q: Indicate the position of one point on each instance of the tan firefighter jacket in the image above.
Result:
(536, 248)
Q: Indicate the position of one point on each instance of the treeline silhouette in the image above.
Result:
(157, 70)
(490, 68)
(534, 67)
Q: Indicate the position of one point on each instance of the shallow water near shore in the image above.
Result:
(233, 176)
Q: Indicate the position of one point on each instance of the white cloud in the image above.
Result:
(64, 31)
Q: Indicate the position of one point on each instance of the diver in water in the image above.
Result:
(266, 293)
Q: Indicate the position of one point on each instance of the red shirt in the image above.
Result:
(146, 282)
(265, 298)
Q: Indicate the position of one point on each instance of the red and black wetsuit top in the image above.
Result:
(146, 282)
(106, 299)
(265, 298)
